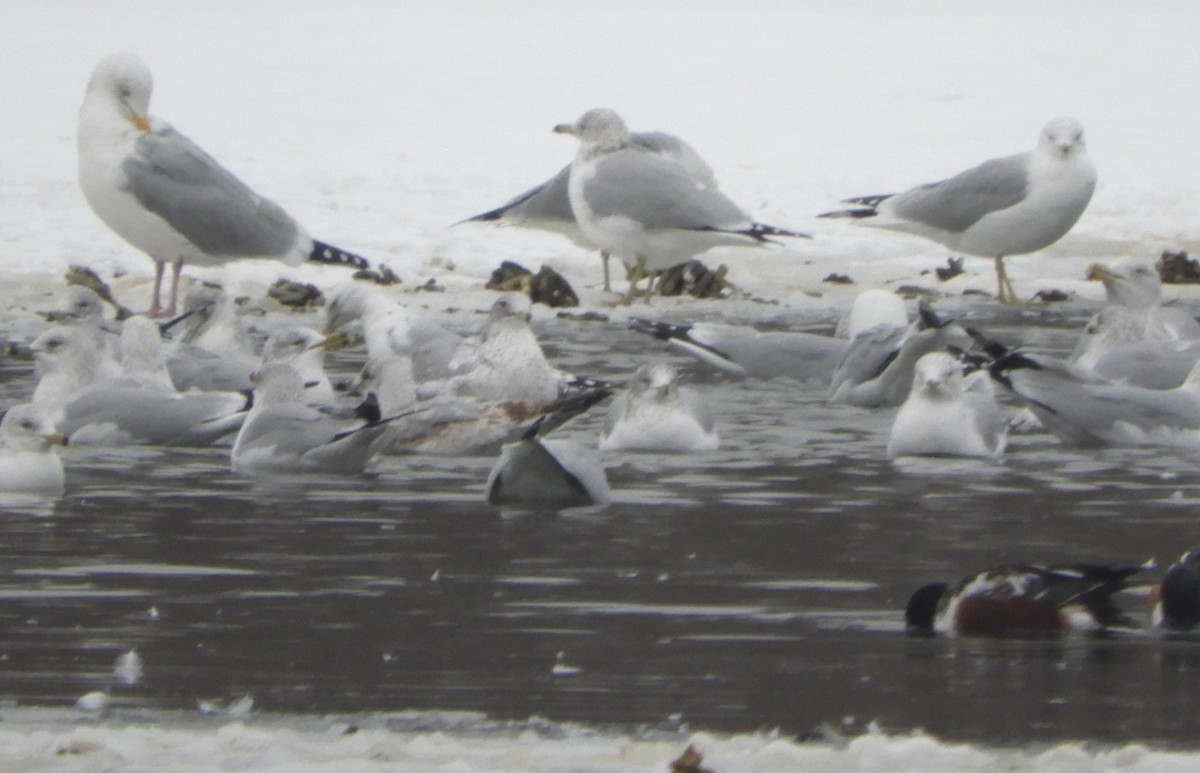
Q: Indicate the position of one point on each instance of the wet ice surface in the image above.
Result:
(758, 587)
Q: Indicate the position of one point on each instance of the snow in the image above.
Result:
(380, 124)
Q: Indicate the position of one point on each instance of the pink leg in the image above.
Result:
(156, 307)
(176, 268)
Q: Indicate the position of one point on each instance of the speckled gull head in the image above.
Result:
(599, 129)
(511, 306)
(123, 82)
(1128, 282)
(1062, 136)
(655, 381)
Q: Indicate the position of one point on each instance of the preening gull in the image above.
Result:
(947, 415)
(1006, 206)
(656, 414)
(548, 206)
(28, 462)
(1022, 600)
(645, 209)
(164, 195)
(550, 473)
(283, 434)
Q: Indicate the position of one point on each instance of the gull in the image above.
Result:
(28, 462)
(549, 473)
(508, 362)
(656, 414)
(160, 192)
(745, 352)
(213, 352)
(284, 434)
(548, 206)
(876, 369)
(1006, 206)
(947, 414)
(391, 329)
(138, 408)
(1178, 604)
(81, 307)
(304, 350)
(645, 209)
(1022, 600)
(1084, 409)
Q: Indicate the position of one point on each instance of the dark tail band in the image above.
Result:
(327, 253)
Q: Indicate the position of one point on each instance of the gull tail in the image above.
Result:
(867, 207)
(327, 253)
(760, 232)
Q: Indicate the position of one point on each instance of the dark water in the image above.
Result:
(760, 586)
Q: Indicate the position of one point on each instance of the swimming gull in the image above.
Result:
(947, 414)
(808, 358)
(28, 462)
(645, 209)
(655, 413)
(1084, 409)
(136, 409)
(304, 350)
(164, 195)
(284, 434)
(547, 206)
(1022, 600)
(213, 351)
(1005, 206)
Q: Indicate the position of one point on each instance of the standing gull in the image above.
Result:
(1005, 206)
(164, 195)
(548, 206)
(645, 209)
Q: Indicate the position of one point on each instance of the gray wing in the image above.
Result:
(956, 204)
(545, 203)
(155, 416)
(868, 355)
(292, 430)
(173, 178)
(658, 194)
(698, 407)
(614, 414)
(670, 146)
(770, 354)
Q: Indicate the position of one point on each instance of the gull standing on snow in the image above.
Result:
(946, 414)
(28, 463)
(645, 209)
(656, 414)
(164, 195)
(548, 206)
(1005, 206)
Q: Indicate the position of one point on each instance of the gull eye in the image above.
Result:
(27, 424)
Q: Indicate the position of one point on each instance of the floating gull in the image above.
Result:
(656, 414)
(164, 195)
(548, 206)
(82, 308)
(946, 414)
(1022, 600)
(645, 209)
(304, 350)
(549, 473)
(284, 434)
(508, 363)
(743, 351)
(1085, 409)
(877, 367)
(124, 409)
(213, 353)
(1178, 604)
(1005, 206)
(391, 329)
(28, 462)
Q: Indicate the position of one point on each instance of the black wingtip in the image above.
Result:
(762, 232)
(664, 331)
(327, 253)
(853, 214)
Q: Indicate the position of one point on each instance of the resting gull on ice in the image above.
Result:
(656, 414)
(548, 206)
(947, 414)
(1005, 206)
(28, 462)
(164, 195)
(645, 209)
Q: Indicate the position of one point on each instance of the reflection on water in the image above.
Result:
(758, 586)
